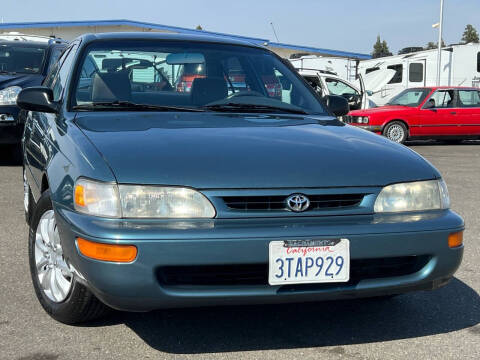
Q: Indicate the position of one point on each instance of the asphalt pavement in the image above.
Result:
(443, 324)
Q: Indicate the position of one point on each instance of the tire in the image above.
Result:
(27, 199)
(58, 291)
(396, 131)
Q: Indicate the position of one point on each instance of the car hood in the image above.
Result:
(218, 150)
(381, 110)
(22, 80)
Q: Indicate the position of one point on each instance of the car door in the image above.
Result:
(468, 112)
(36, 144)
(440, 119)
(340, 88)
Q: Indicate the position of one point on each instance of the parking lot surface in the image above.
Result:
(444, 324)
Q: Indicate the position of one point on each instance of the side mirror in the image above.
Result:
(369, 92)
(338, 105)
(37, 98)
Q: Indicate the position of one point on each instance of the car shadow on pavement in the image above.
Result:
(9, 156)
(441, 143)
(268, 327)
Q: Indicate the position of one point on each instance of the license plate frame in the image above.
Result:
(328, 249)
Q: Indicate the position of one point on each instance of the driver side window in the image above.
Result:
(61, 78)
(442, 99)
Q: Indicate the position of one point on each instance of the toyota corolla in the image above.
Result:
(140, 196)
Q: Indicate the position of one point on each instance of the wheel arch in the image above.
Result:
(398, 120)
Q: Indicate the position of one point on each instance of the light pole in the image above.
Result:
(439, 55)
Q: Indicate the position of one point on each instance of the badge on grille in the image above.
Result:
(298, 202)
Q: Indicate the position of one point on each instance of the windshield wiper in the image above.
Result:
(128, 105)
(252, 108)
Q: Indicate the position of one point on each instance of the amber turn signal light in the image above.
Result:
(455, 239)
(107, 252)
(79, 195)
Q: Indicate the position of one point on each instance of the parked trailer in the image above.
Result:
(460, 66)
(343, 67)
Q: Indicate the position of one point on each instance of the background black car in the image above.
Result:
(25, 60)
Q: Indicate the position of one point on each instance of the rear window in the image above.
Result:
(469, 98)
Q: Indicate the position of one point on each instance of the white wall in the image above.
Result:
(70, 33)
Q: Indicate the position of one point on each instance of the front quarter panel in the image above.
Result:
(71, 155)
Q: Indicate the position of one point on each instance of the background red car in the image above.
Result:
(447, 113)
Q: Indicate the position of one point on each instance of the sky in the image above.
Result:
(349, 25)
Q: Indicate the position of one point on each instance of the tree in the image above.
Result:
(470, 35)
(434, 45)
(380, 48)
(199, 27)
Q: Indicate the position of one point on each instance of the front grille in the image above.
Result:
(257, 274)
(269, 203)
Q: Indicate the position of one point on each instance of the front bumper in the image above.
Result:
(372, 128)
(11, 130)
(137, 286)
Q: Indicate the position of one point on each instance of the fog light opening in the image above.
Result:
(455, 239)
(107, 252)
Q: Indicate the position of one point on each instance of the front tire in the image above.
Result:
(396, 131)
(56, 286)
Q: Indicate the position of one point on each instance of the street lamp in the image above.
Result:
(439, 55)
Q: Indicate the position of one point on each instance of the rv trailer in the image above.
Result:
(343, 67)
(460, 66)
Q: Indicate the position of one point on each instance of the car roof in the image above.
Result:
(87, 38)
(24, 43)
(448, 88)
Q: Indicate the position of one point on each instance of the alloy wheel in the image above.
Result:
(54, 276)
(396, 133)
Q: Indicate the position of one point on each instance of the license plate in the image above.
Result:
(309, 261)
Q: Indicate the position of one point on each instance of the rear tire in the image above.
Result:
(56, 286)
(396, 131)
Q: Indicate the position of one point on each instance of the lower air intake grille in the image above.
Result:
(257, 274)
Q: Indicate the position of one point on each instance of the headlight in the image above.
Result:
(164, 202)
(414, 196)
(137, 201)
(362, 120)
(96, 198)
(9, 95)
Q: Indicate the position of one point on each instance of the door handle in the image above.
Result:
(452, 112)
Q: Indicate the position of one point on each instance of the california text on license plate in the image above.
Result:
(309, 261)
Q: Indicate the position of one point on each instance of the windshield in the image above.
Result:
(188, 75)
(410, 97)
(21, 59)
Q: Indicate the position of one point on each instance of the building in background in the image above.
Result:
(69, 30)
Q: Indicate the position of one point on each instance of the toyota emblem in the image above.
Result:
(298, 202)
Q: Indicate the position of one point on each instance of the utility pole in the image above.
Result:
(439, 56)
